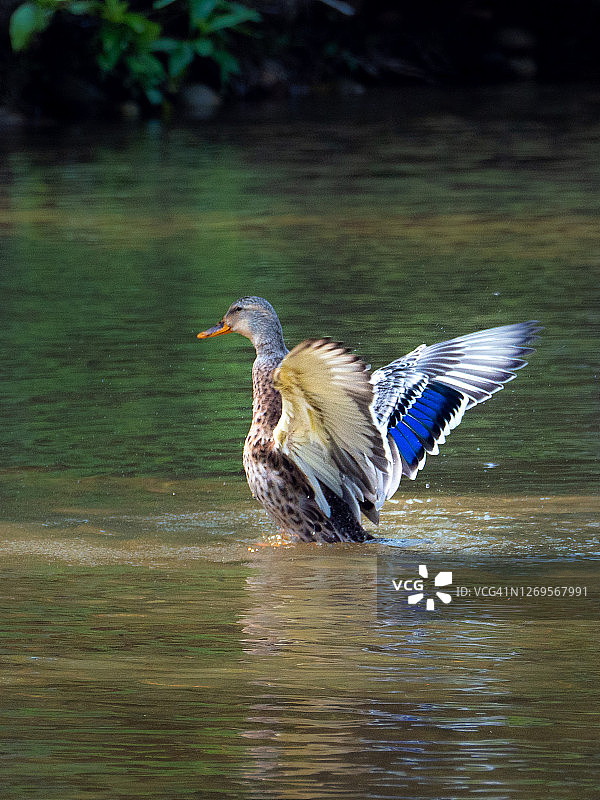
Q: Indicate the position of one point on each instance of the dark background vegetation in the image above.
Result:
(287, 47)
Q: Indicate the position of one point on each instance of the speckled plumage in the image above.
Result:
(330, 441)
(277, 483)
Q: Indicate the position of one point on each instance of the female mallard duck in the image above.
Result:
(330, 440)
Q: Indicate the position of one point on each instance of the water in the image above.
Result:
(155, 639)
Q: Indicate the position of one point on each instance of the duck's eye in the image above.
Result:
(235, 309)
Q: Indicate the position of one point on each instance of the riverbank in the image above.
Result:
(99, 60)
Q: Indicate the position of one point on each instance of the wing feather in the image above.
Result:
(327, 426)
(422, 396)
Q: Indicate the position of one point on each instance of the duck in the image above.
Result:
(330, 440)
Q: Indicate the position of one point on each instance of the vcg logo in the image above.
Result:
(418, 589)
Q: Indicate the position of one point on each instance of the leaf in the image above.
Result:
(154, 95)
(82, 7)
(139, 23)
(200, 10)
(203, 47)
(165, 45)
(25, 22)
(343, 8)
(180, 59)
(158, 4)
(232, 19)
(146, 73)
(114, 10)
(228, 64)
(146, 68)
(113, 46)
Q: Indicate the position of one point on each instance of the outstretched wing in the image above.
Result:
(327, 427)
(421, 397)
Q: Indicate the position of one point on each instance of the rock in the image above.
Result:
(10, 119)
(523, 67)
(516, 39)
(129, 111)
(273, 75)
(349, 88)
(198, 101)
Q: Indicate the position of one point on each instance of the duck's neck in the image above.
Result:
(268, 340)
(266, 400)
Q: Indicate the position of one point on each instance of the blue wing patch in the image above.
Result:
(418, 429)
(421, 397)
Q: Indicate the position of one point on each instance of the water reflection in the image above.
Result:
(175, 648)
(347, 705)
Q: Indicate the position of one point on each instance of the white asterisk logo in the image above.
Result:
(441, 579)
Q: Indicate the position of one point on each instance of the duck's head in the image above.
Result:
(254, 318)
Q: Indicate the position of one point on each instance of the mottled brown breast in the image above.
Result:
(277, 483)
(266, 400)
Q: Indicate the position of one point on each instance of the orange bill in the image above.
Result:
(216, 330)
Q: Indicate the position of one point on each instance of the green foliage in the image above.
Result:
(210, 21)
(131, 46)
(26, 21)
(34, 17)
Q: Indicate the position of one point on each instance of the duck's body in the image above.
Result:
(329, 440)
(277, 483)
